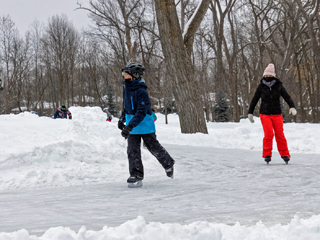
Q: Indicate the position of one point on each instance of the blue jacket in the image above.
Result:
(62, 113)
(137, 108)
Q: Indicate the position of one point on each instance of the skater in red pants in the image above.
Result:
(270, 90)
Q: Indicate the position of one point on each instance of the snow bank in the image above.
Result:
(39, 151)
(297, 229)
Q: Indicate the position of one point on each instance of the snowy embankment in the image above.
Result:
(138, 229)
(39, 152)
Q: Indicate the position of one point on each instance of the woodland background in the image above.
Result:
(53, 63)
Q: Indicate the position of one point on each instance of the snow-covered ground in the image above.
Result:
(66, 179)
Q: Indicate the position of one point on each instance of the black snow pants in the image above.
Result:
(152, 144)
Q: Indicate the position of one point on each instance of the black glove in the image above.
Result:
(121, 125)
(126, 131)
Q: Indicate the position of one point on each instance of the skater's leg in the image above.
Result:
(268, 135)
(158, 150)
(134, 156)
(279, 135)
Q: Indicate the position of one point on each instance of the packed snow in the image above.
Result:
(66, 179)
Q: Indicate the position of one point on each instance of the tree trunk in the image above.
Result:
(302, 113)
(131, 47)
(310, 19)
(180, 68)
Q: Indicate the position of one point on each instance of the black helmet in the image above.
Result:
(136, 70)
(63, 107)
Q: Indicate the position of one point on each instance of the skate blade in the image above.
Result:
(135, 185)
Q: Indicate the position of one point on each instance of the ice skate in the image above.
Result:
(134, 181)
(267, 159)
(286, 159)
(169, 172)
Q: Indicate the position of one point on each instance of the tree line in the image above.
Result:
(194, 52)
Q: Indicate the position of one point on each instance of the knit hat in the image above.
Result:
(269, 70)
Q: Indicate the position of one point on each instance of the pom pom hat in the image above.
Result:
(269, 70)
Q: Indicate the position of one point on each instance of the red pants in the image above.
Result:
(270, 124)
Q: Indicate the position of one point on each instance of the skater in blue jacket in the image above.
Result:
(136, 123)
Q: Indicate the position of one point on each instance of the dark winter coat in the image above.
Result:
(270, 98)
(137, 108)
(62, 113)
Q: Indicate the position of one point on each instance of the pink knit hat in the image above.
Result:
(269, 70)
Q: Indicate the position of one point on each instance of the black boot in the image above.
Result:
(286, 159)
(169, 172)
(133, 179)
(267, 159)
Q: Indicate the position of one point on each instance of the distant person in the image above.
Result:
(109, 116)
(137, 115)
(269, 90)
(62, 112)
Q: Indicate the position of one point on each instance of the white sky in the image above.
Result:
(24, 12)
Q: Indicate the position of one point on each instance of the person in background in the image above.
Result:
(136, 123)
(270, 90)
(62, 112)
(109, 116)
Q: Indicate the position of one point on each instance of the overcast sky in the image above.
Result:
(24, 12)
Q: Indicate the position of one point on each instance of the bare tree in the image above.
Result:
(12, 52)
(115, 17)
(129, 35)
(310, 12)
(60, 46)
(38, 85)
(189, 56)
(177, 49)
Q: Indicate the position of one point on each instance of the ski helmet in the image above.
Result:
(63, 107)
(134, 69)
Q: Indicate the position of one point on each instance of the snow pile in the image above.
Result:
(298, 229)
(39, 151)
